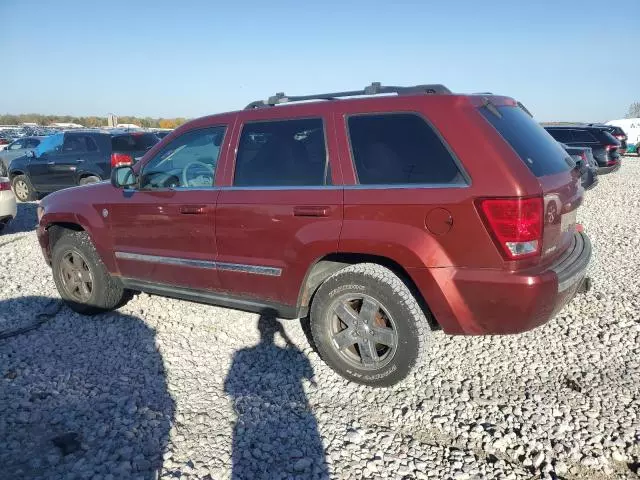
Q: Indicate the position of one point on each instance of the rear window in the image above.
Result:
(135, 142)
(538, 150)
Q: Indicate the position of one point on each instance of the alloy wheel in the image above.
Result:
(76, 276)
(362, 331)
(21, 189)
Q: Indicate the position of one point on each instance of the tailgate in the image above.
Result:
(562, 196)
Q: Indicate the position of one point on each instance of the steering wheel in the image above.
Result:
(185, 170)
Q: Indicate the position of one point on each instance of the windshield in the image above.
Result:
(49, 144)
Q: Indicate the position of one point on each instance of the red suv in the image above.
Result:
(378, 213)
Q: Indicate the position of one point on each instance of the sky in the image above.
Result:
(565, 60)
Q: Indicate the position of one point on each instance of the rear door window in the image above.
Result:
(583, 136)
(135, 142)
(540, 152)
(398, 149)
(282, 154)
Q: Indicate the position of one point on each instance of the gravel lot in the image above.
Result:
(204, 392)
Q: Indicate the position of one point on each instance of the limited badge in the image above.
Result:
(105, 212)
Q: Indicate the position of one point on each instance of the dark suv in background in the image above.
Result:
(605, 147)
(618, 134)
(77, 157)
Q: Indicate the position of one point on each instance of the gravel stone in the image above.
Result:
(164, 388)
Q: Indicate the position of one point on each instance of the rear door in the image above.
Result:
(38, 166)
(550, 163)
(281, 210)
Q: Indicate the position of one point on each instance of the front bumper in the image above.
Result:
(487, 301)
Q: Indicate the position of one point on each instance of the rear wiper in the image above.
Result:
(488, 104)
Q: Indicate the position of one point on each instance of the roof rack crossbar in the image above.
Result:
(374, 89)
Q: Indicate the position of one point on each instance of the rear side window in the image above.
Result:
(282, 153)
(540, 152)
(135, 142)
(400, 148)
(562, 135)
(78, 144)
(583, 136)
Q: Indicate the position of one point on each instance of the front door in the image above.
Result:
(163, 230)
(280, 211)
(77, 151)
(44, 156)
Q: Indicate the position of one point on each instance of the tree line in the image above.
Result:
(92, 121)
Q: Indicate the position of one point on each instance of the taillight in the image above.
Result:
(5, 185)
(120, 159)
(620, 137)
(583, 156)
(515, 224)
(608, 148)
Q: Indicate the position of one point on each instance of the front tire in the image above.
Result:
(367, 326)
(22, 188)
(81, 278)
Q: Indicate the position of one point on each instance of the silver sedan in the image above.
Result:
(17, 148)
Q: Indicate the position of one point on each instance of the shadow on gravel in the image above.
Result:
(26, 219)
(81, 396)
(275, 434)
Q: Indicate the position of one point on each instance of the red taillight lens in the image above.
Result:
(611, 163)
(515, 224)
(620, 137)
(4, 185)
(608, 148)
(120, 159)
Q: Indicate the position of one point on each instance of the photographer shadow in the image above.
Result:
(275, 435)
(80, 396)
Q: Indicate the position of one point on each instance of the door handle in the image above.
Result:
(311, 211)
(193, 210)
(51, 163)
(80, 160)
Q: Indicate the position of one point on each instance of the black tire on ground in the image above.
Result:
(23, 189)
(75, 263)
(353, 316)
(88, 180)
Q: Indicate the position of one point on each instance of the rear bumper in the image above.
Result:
(483, 301)
(611, 169)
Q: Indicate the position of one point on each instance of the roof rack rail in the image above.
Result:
(374, 89)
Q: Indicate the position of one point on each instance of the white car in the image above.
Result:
(8, 208)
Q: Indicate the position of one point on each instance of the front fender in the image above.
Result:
(62, 209)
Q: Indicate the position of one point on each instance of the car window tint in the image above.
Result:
(32, 142)
(135, 142)
(282, 153)
(583, 136)
(17, 145)
(400, 148)
(189, 161)
(90, 144)
(561, 134)
(539, 151)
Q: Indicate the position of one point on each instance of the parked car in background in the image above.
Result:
(631, 128)
(8, 208)
(76, 157)
(583, 156)
(372, 215)
(603, 145)
(17, 148)
(617, 132)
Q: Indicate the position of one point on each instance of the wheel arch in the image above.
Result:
(326, 266)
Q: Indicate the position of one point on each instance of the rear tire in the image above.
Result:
(81, 278)
(22, 188)
(89, 180)
(367, 326)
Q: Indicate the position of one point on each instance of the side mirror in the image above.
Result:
(31, 154)
(123, 177)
